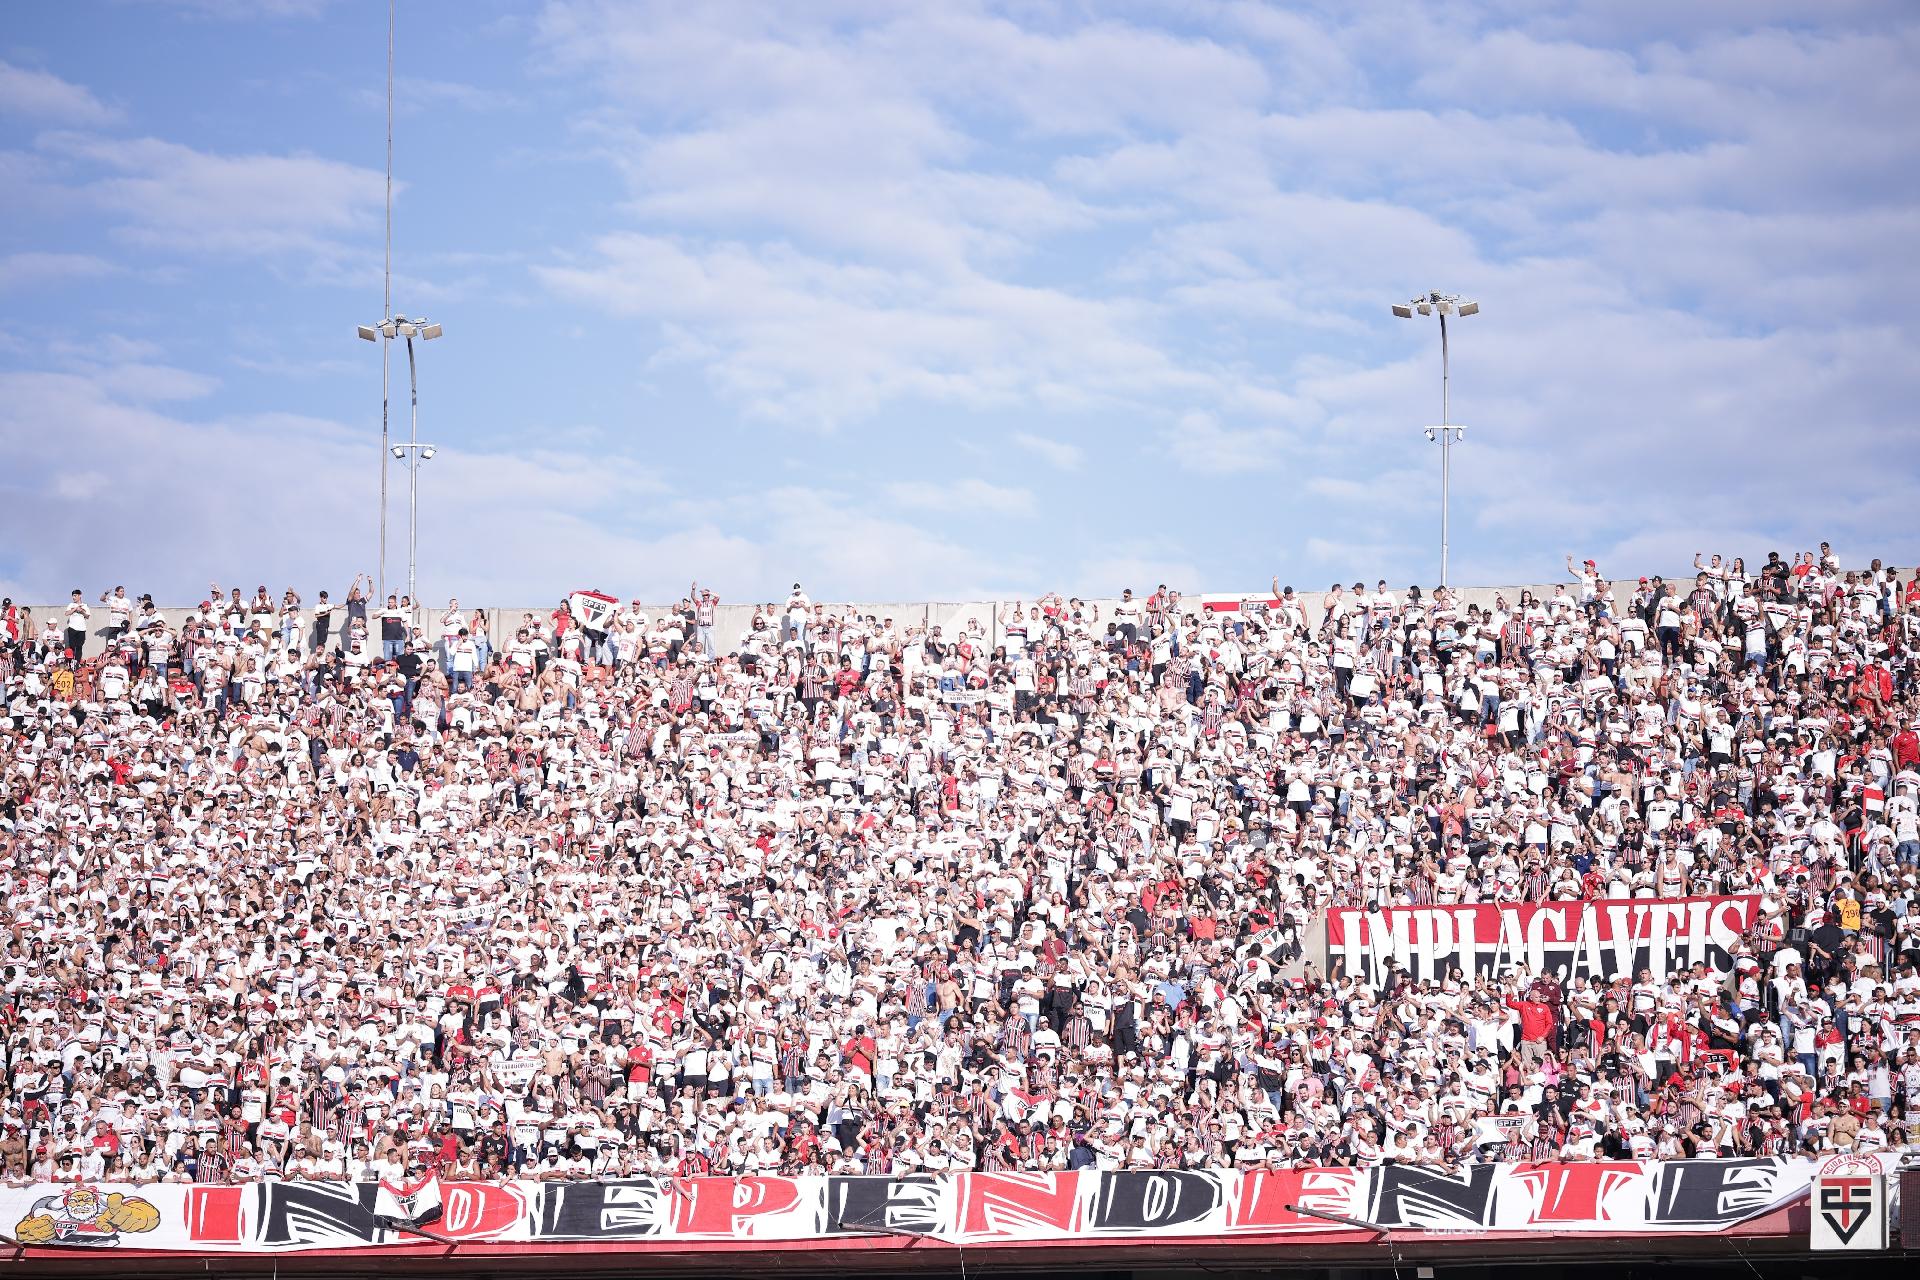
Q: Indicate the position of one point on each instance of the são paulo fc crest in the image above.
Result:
(1849, 1206)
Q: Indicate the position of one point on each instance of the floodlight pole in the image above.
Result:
(1448, 432)
(413, 452)
(413, 477)
(380, 588)
(1446, 446)
(386, 315)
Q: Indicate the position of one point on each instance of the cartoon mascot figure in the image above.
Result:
(82, 1216)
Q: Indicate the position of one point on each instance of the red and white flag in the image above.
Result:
(1239, 604)
(408, 1204)
(593, 610)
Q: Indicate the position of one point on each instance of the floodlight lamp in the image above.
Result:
(1469, 308)
(1402, 309)
(366, 331)
(426, 451)
(389, 328)
(1424, 308)
(399, 451)
(430, 331)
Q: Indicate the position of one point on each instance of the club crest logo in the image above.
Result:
(1846, 1204)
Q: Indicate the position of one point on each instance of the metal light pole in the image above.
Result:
(412, 453)
(1448, 432)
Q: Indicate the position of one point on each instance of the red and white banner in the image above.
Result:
(1257, 603)
(593, 610)
(975, 1209)
(1603, 939)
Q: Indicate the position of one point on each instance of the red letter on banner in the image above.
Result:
(728, 1206)
(1018, 1204)
(1266, 1193)
(1575, 1192)
(213, 1215)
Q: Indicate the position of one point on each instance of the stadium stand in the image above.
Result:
(297, 893)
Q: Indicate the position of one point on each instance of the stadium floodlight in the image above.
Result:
(1448, 432)
(417, 452)
(373, 333)
(413, 453)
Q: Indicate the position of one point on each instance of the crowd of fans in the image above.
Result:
(297, 891)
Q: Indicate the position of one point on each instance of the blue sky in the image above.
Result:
(913, 300)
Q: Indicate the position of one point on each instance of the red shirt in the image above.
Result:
(1536, 1019)
(1906, 749)
(859, 1052)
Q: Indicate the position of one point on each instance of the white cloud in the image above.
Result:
(965, 497)
(1197, 442)
(1340, 489)
(286, 498)
(810, 340)
(415, 94)
(869, 557)
(1056, 453)
(79, 486)
(828, 224)
(278, 365)
(177, 197)
(42, 95)
(242, 10)
(26, 270)
(146, 383)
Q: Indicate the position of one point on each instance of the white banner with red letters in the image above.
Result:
(974, 1209)
(1603, 939)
